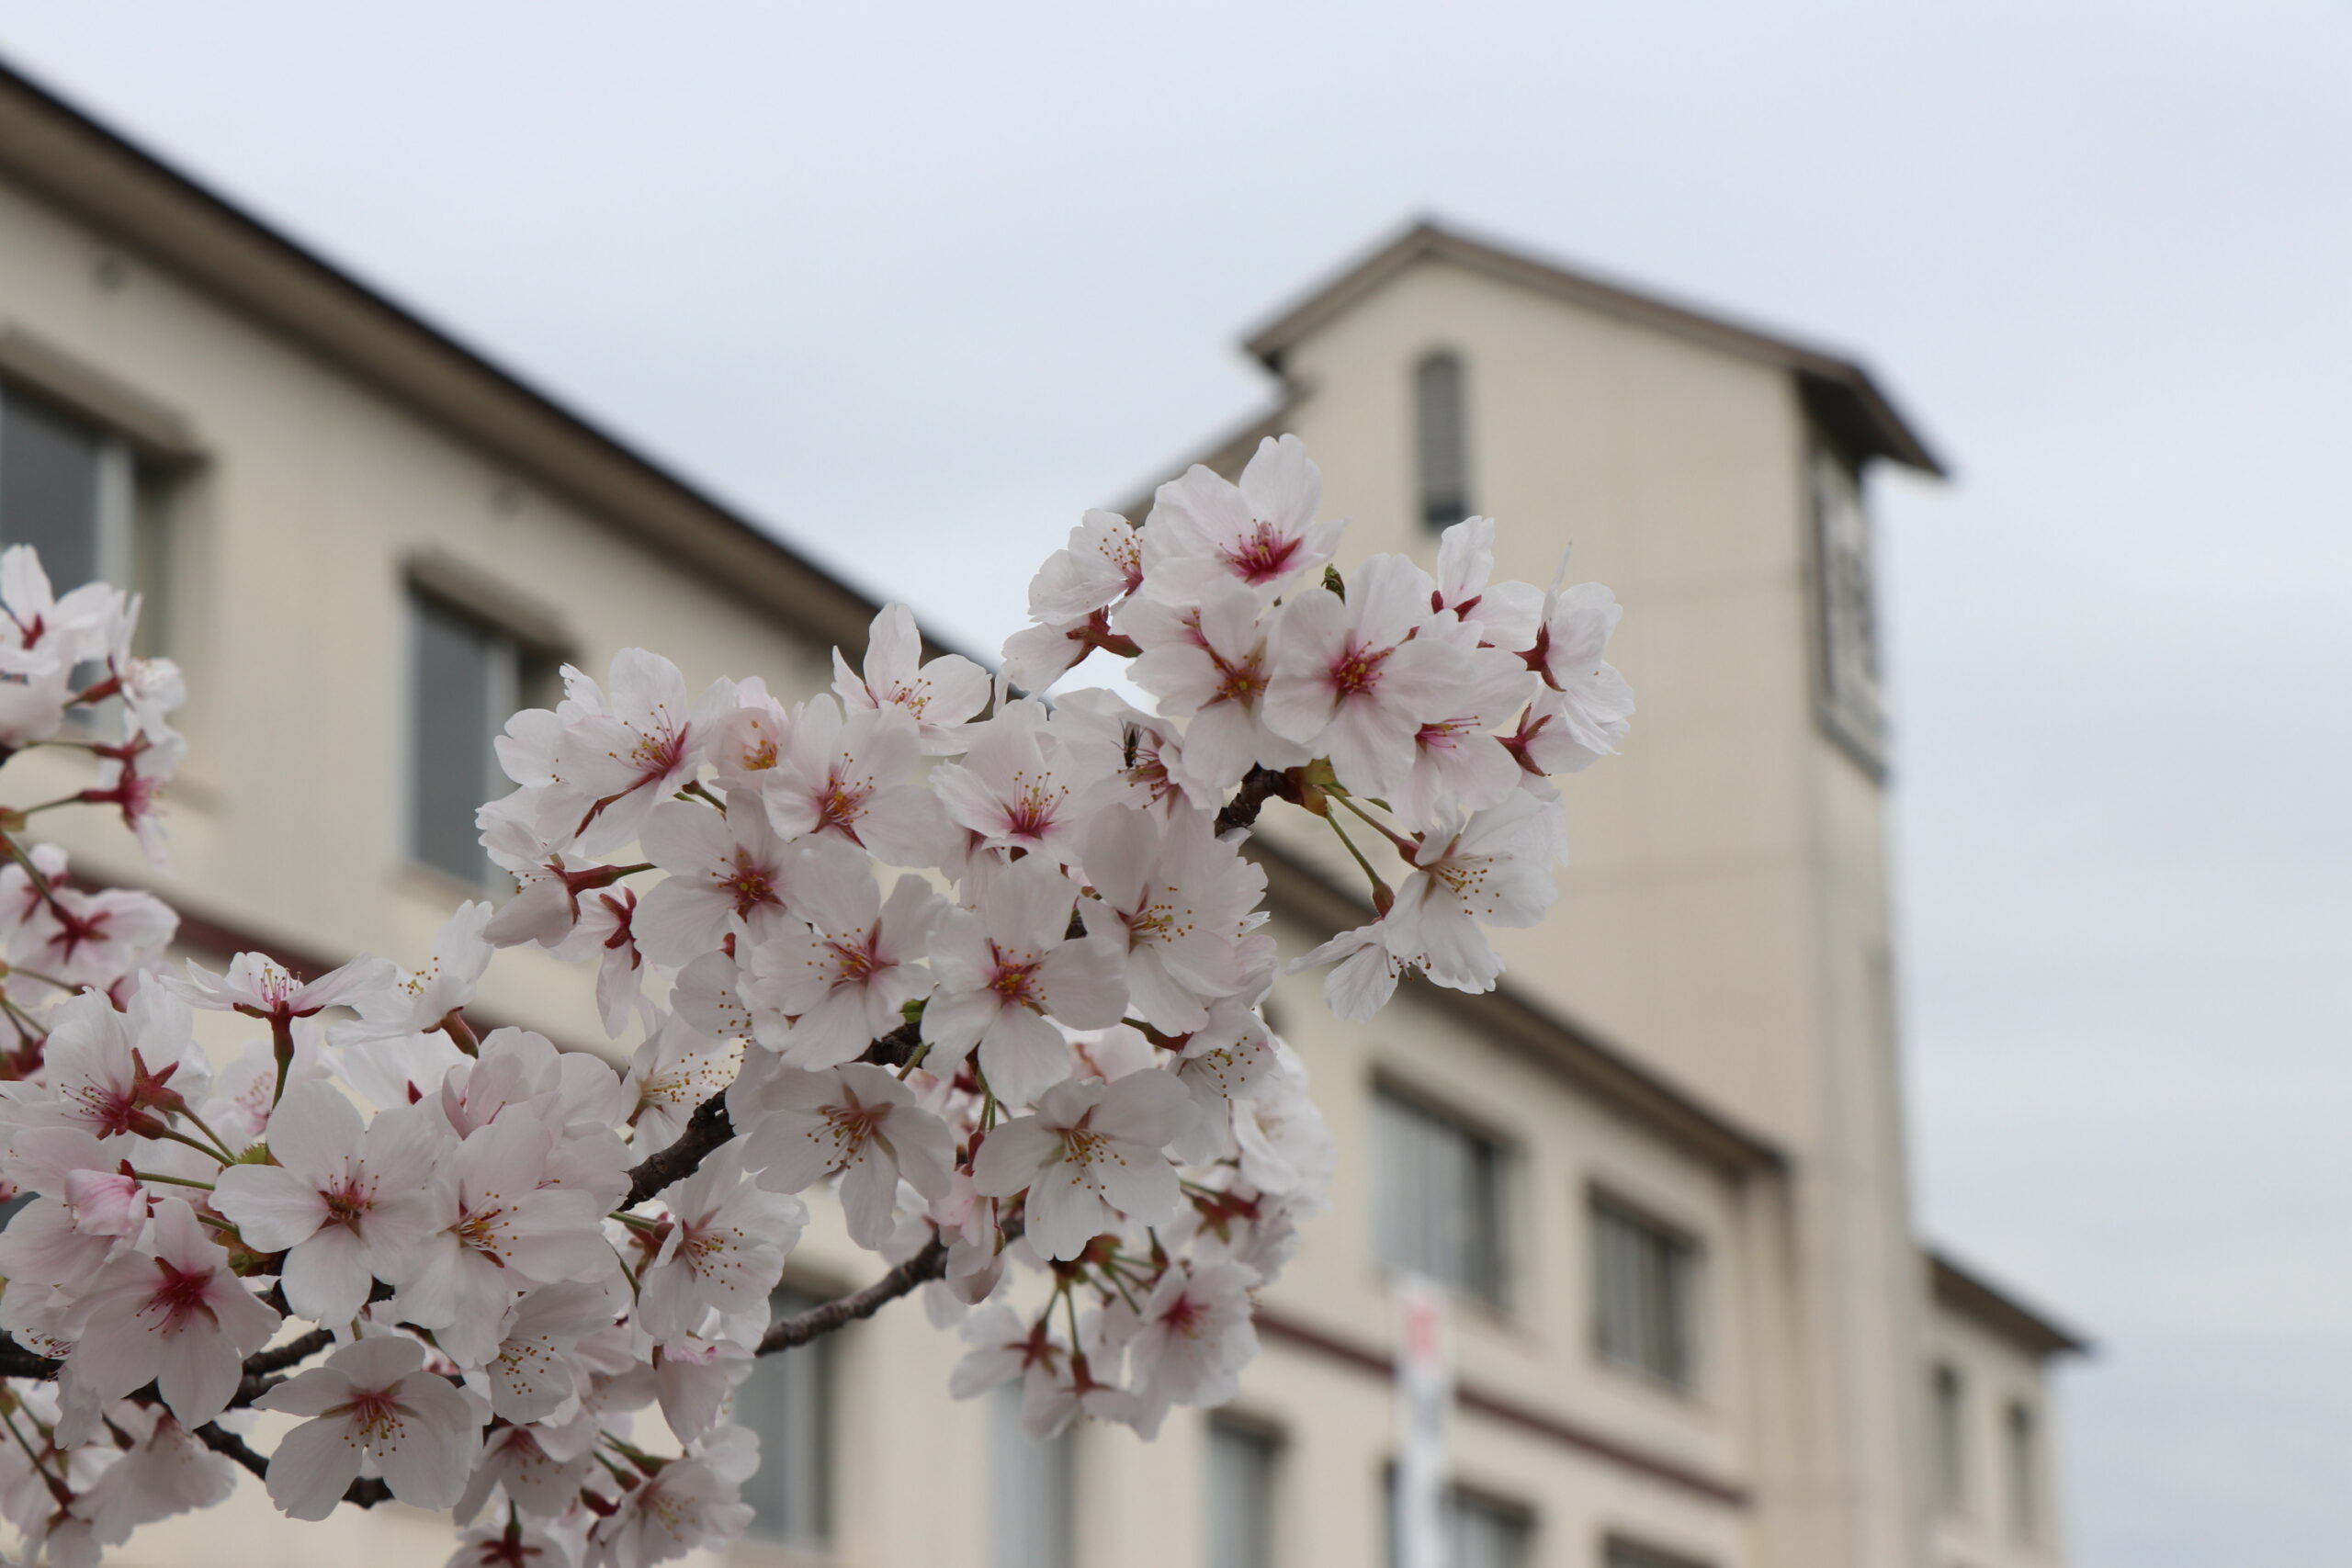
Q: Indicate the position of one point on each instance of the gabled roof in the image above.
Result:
(152, 209)
(1841, 393)
(1970, 1295)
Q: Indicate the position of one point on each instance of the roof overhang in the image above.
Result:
(1838, 391)
(143, 203)
(1969, 1295)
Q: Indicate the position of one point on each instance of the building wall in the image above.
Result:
(1724, 918)
(1989, 1526)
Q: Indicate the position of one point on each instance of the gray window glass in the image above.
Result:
(1442, 438)
(2025, 1474)
(1032, 1491)
(1240, 1500)
(1642, 1287)
(1479, 1533)
(1948, 1401)
(788, 1400)
(464, 678)
(1632, 1554)
(1439, 1195)
(49, 489)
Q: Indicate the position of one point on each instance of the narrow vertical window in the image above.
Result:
(788, 1400)
(1442, 437)
(1479, 1533)
(1642, 1293)
(78, 496)
(2025, 1474)
(467, 677)
(1947, 1395)
(1239, 1501)
(1440, 1198)
(1032, 1498)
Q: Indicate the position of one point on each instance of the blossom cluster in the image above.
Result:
(987, 970)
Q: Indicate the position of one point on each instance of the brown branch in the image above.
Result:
(15, 1362)
(818, 1321)
(706, 1130)
(1258, 785)
(362, 1492)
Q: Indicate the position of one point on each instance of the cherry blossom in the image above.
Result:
(1261, 533)
(939, 695)
(727, 872)
(373, 1404)
(171, 1311)
(1354, 682)
(853, 779)
(1178, 902)
(345, 1200)
(723, 1251)
(1004, 970)
(1087, 1154)
(846, 970)
(857, 1120)
(1036, 1071)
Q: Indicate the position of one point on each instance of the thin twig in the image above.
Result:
(819, 1321)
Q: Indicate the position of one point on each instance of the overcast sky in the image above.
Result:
(918, 282)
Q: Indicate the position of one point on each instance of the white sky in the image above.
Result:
(920, 281)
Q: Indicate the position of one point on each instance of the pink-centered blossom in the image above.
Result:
(1354, 682)
(723, 1251)
(1089, 1154)
(345, 1201)
(834, 981)
(1027, 782)
(1261, 532)
(1492, 869)
(852, 779)
(372, 1405)
(1005, 971)
(858, 1120)
(727, 872)
(171, 1311)
(1208, 661)
(1178, 901)
(939, 696)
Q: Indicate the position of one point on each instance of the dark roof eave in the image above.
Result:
(152, 206)
(1836, 387)
(1969, 1292)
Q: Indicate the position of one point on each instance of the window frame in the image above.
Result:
(824, 1363)
(522, 679)
(1947, 1437)
(2021, 1443)
(1686, 1248)
(1270, 1442)
(1499, 1156)
(1439, 509)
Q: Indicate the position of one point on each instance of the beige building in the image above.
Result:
(1662, 1168)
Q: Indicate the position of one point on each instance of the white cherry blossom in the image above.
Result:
(939, 697)
(1090, 1153)
(1351, 680)
(171, 1311)
(857, 1120)
(842, 974)
(1261, 533)
(345, 1200)
(373, 1404)
(1003, 970)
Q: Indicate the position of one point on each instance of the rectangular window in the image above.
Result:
(1238, 1521)
(2025, 1474)
(468, 676)
(1846, 674)
(1442, 439)
(1479, 1533)
(1949, 1406)
(1032, 1493)
(1624, 1553)
(788, 1400)
(1642, 1293)
(1439, 1198)
(76, 494)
